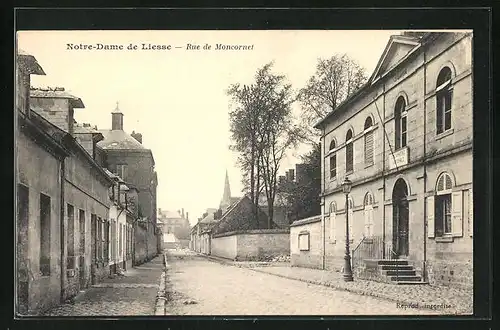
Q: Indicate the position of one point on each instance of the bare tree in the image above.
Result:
(262, 131)
(335, 80)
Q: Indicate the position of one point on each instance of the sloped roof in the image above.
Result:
(170, 214)
(119, 140)
(31, 63)
(57, 92)
(395, 38)
(209, 218)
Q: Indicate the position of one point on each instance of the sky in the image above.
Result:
(177, 98)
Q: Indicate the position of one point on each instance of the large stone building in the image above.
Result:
(174, 224)
(134, 164)
(405, 141)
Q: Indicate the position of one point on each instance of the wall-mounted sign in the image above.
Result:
(399, 158)
(304, 241)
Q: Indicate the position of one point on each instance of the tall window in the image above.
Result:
(401, 123)
(443, 205)
(443, 100)
(121, 171)
(368, 204)
(106, 241)
(82, 237)
(333, 220)
(93, 234)
(333, 161)
(368, 141)
(349, 155)
(45, 235)
(71, 230)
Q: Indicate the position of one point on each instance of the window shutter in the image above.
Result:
(369, 148)
(367, 222)
(351, 220)
(370, 221)
(471, 214)
(430, 217)
(456, 214)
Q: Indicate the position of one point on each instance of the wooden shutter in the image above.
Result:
(471, 214)
(367, 222)
(430, 217)
(456, 213)
(370, 221)
(369, 148)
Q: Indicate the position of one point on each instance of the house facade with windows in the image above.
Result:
(134, 164)
(404, 139)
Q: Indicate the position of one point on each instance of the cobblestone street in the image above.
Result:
(199, 286)
(132, 294)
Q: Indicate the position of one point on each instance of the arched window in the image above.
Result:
(443, 205)
(333, 161)
(333, 222)
(332, 145)
(368, 141)
(443, 100)
(400, 123)
(368, 212)
(349, 154)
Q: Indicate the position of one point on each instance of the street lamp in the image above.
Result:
(346, 188)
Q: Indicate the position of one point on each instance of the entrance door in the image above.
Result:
(400, 219)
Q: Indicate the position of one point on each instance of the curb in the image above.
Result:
(161, 296)
(333, 286)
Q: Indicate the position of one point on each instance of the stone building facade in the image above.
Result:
(134, 164)
(405, 141)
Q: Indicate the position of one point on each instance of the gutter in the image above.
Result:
(424, 271)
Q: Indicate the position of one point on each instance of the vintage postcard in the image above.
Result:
(239, 172)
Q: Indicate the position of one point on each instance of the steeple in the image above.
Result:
(226, 197)
(117, 119)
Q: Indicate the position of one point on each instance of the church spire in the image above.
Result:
(226, 197)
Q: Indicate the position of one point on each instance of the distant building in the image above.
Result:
(176, 224)
(131, 161)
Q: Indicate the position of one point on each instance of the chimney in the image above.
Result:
(137, 136)
(117, 119)
(183, 213)
(292, 174)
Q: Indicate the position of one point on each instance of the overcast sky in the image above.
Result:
(176, 98)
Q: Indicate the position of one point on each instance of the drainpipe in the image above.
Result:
(383, 172)
(322, 149)
(424, 271)
(62, 227)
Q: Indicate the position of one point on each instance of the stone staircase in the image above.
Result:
(398, 271)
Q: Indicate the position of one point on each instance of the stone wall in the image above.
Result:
(38, 172)
(251, 244)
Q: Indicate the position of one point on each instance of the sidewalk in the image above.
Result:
(132, 294)
(450, 300)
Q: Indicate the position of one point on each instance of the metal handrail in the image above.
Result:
(392, 254)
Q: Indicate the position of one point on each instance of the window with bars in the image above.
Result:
(368, 141)
(444, 94)
(349, 152)
(400, 120)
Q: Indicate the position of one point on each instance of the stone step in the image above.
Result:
(406, 272)
(394, 267)
(410, 282)
(392, 262)
(404, 278)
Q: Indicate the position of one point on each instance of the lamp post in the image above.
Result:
(346, 188)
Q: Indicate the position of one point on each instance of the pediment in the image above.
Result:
(396, 50)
